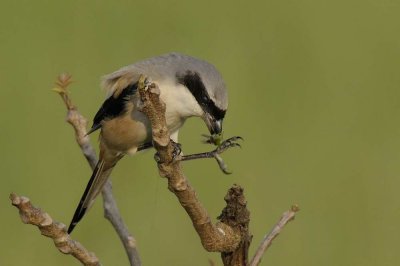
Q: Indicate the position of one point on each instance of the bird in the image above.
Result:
(189, 87)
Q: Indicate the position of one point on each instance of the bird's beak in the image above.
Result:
(214, 126)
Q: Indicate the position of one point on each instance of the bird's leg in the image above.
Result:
(229, 143)
(225, 145)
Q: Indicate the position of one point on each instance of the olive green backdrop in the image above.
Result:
(314, 91)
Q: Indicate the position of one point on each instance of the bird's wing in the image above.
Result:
(122, 87)
(123, 83)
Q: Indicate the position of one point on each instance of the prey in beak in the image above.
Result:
(215, 128)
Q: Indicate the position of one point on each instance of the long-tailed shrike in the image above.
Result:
(188, 87)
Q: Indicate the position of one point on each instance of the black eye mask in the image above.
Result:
(193, 82)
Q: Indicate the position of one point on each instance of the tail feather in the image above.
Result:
(95, 185)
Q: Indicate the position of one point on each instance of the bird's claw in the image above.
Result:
(177, 150)
(225, 145)
(157, 158)
(228, 143)
(175, 153)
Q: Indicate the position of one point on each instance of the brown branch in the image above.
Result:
(230, 235)
(76, 120)
(267, 241)
(111, 212)
(236, 215)
(54, 230)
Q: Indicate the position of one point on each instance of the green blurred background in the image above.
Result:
(314, 91)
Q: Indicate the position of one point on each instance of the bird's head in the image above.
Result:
(207, 87)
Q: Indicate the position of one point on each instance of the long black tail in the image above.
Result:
(99, 177)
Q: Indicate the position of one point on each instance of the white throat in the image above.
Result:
(180, 104)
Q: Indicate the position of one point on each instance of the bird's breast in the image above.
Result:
(125, 133)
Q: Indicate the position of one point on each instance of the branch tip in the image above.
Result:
(229, 236)
(287, 216)
(79, 124)
(14, 199)
(63, 80)
(295, 208)
(52, 229)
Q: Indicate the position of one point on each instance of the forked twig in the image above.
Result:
(111, 212)
(267, 240)
(230, 235)
(54, 230)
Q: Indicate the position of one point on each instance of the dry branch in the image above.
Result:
(228, 236)
(267, 240)
(111, 212)
(54, 230)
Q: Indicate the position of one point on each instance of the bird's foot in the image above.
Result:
(228, 143)
(157, 158)
(175, 153)
(177, 150)
(225, 145)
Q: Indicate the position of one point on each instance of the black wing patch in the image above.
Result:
(113, 107)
